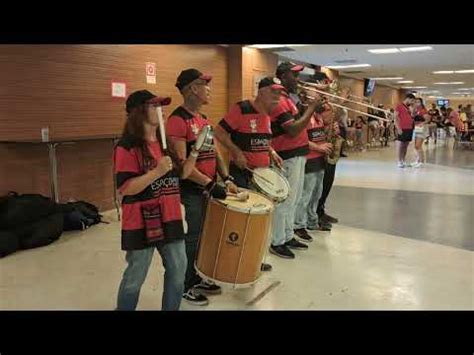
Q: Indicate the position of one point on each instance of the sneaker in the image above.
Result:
(328, 218)
(207, 288)
(194, 298)
(401, 164)
(324, 227)
(266, 267)
(282, 251)
(417, 165)
(294, 244)
(303, 235)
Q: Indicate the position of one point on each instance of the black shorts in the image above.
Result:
(406, 136)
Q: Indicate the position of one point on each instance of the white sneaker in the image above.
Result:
(409, 165)
(401, 164)
(417, 165)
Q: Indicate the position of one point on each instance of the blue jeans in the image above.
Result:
(174, 260)
(313, 187)
(284, 215)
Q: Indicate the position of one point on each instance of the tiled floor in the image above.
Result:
(404, 241)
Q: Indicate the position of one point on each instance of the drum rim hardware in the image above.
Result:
(207, 136)
(270, 206)
(284, 179)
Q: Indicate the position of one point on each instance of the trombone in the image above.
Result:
(316, 88)
(353, 110)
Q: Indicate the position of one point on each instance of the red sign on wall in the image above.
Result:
(150, 69)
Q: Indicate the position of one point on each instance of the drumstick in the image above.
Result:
(242, 196)
(260, 176)
(159, 111)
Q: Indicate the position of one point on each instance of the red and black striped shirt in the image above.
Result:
(284, 144)
(183, 125)
(162, 196)
(251, 131)
(317, 134)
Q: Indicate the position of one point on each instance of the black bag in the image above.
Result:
(9, 243)
(80, 215)
(40, 233)
(17, 210)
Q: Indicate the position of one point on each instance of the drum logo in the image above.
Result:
(233, 239)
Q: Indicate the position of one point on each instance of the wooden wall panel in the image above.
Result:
(68, 89)
(24, 169)
(235, 70)
(256, 62)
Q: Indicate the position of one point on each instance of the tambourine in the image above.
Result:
(204, 141)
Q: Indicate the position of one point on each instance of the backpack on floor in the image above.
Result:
(40, 233)
(17, 210)
(80, 215)
(9, 243)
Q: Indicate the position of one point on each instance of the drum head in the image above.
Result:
(255, 204)
(271, 183)
(204, 138)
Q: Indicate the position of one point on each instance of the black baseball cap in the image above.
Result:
(275, 83)
(286, 67)
(187, 76)
(140, 97)
(319, 76)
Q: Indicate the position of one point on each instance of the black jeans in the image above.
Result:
(195, 205)
(328, 180)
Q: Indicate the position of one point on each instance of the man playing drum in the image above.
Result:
(246, 132)
(183, 127)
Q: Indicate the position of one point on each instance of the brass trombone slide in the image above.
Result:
(353, 110)
(311, 87)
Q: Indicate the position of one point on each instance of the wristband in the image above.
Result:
(229, 179)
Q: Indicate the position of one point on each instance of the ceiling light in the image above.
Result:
(348, 66)
(388, 78)
(405, 82)
(414, 87)
(450, 83)
(416, 49)
(464, 71)
(465, 89)
(383, 50)
(267, 46)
